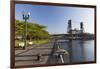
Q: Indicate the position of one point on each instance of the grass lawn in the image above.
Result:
(34, 42)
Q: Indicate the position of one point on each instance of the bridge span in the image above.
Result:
(83, 36)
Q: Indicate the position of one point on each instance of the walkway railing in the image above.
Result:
(59, 52)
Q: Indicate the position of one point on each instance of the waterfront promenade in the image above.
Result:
(29, 55)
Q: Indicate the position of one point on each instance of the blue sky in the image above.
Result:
(56, 17)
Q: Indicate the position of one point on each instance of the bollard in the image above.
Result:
(39, 57)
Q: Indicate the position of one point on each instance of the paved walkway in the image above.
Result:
(29, 55)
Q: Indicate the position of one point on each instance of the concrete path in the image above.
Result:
(29, 55)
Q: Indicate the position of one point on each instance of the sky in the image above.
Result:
(56, 17)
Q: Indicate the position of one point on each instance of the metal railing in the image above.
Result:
(59, 52)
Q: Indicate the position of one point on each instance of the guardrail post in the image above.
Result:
(39, 57)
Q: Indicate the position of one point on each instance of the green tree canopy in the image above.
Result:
(34, 31)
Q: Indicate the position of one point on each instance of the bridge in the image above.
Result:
(84, 36)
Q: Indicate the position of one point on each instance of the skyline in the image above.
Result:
(56, 17)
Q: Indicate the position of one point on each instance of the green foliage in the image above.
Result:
(34, 31)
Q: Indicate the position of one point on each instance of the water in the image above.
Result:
(80, 51)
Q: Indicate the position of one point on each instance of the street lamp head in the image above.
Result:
(25, 15)
(28, 13)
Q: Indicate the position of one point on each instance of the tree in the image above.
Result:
(34, 31)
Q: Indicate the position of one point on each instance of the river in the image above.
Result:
(80, 51)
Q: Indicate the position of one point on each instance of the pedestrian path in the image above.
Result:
(29, 56)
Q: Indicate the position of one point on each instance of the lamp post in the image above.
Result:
(25, 18)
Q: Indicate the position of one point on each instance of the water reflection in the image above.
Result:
(79, 50)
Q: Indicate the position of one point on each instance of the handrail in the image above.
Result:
(62, 60)
(58, 47)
